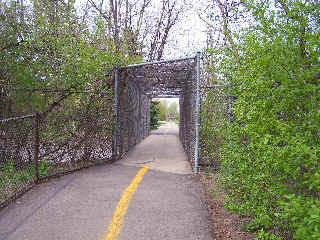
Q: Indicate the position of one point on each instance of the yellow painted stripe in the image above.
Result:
(122, 207)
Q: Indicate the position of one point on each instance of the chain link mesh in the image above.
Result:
(137, 85)
(74, 130)
(214, 112)
(79, 129)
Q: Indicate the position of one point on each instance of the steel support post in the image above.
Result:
(157, 62)
(197, 110)
(116, 118)
(230, 113)
(36, 146)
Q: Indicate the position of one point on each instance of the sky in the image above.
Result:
(186, 38)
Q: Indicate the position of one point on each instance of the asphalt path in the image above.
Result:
(168, 203)
(169, 128)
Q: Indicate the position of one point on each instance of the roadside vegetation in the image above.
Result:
(154, 115)
(160, 112)
(168, 110)
(268, 156)
(13, 179)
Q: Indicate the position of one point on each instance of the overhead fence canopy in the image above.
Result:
(136, 85)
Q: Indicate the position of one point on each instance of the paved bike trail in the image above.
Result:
(168, 203)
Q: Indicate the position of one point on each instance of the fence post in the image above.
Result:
(197, 146)
(230, 99)
(36, 145)
(115, 130)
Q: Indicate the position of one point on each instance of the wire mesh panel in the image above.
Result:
(187, 115)
(16, 141)
(133, 113)
(214, 112)
(16, 155)
(78, 133)
(69, 131)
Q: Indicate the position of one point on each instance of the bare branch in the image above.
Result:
(98, 9)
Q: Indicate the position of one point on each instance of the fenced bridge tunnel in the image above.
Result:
(102, 202)
(136, 85)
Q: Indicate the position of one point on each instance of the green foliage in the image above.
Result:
(9, 171)
(46, 46)
(262, 235)
(270, 153)
(163, 110)
(212, 129)
(173, 110)
(303, 215)
(154, 114)
(53, 62)
(44, 168)
(12, 179)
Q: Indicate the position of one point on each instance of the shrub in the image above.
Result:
(270, 153)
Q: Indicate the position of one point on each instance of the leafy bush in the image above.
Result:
(212, 129)
(270, 153)
(12, 179)
(154, 114)
(44, 168)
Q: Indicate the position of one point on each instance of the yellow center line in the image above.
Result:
(122, 207)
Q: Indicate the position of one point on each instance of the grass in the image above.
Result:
(12, 180)
(214, 187)
(159, 123)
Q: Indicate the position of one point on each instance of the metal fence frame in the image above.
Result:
(36, 141)
(190, 125)
(189, 79)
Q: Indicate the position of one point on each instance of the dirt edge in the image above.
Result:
(225, 225)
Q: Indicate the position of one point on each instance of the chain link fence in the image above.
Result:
(70, 130)
(74, 130)
(138, 84)
(216, 112)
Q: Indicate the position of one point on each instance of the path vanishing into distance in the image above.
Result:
(151, 194)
